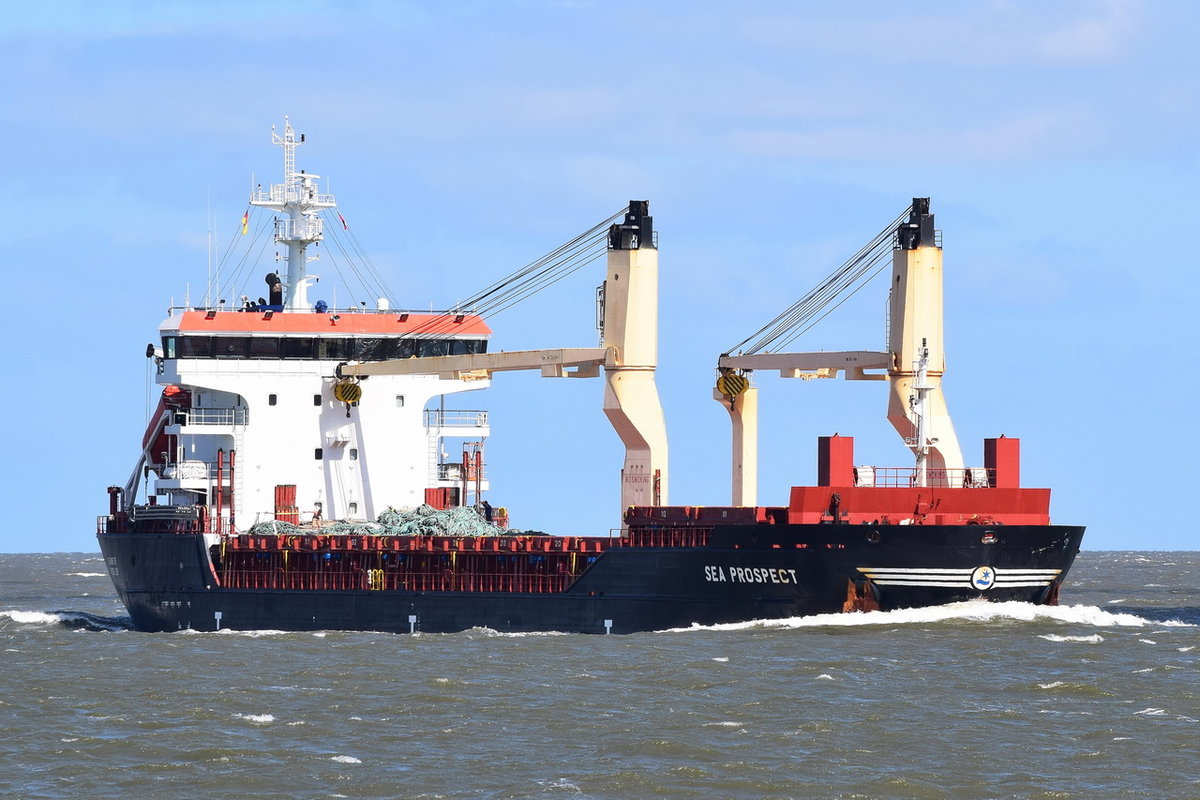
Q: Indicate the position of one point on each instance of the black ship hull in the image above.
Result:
(168, 582)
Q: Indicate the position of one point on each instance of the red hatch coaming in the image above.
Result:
(927, 505)
(995, 498)
(392, 323)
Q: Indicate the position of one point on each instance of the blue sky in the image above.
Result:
(773, 139)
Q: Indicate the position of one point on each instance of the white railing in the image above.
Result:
(439, 418)
(288, 229)
(186, 471)
(453, 471)
(905, 477)
(281, 193)
(216, 416)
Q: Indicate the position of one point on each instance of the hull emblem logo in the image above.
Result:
(983, 578)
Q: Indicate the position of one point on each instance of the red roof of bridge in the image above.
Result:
(350, 323)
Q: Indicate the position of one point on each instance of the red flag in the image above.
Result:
(345, 227)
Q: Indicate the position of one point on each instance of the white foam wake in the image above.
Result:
(968, 611)
(1095, 638)
(68, 619)
(492, 632)
(31, 617)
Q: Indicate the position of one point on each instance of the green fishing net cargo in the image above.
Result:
(423, 520)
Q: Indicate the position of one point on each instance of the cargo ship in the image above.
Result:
(302, 471)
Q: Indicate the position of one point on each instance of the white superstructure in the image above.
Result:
(252, 407)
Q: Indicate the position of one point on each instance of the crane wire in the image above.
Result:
(529, 280)
(340, 230)
(540, 268)
(350, 267)
(882, 264)
(243, 263)
(798, 318)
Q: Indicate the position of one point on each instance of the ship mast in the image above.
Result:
(298, 225)
(918, 403)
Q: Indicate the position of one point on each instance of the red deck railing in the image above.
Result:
(526, 564)
(427, 571)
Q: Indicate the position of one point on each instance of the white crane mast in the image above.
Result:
(298, 202)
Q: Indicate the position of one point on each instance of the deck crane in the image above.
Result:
(628, 355)
(913, 363)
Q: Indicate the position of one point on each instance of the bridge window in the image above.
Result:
(335, 349)
(308, 348)
(302, 347)
(401, 348)
(264, 348)
(230, 346)
(435, 347)
(195, 347)
(369, 350)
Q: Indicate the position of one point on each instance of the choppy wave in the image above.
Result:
(1094, 638)
(1075, 689)
(68, 619)
(493, 633)
(86, 574)
(968, 611)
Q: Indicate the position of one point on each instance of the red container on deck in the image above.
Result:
(285, 503)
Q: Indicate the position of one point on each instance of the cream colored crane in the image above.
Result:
(913, 363)
(629, 356)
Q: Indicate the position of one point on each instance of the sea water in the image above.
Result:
(1096, 698)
